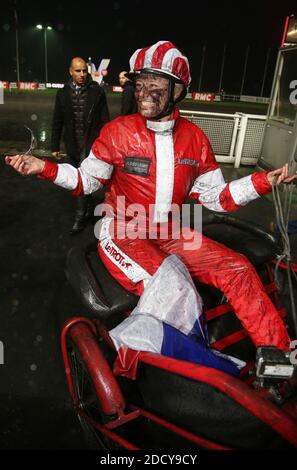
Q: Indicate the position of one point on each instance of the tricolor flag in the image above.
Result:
(169, 319)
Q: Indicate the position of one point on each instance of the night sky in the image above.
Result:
(114, 29)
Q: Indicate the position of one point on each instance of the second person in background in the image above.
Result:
(80, 112)
(128, 103)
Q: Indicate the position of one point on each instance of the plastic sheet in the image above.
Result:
(169, 319)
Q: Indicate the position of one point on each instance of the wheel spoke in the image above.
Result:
(76, 378)
(87, 400)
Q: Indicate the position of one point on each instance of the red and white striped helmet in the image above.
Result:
(162, 57)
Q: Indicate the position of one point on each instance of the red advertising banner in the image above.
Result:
(28, 86)
(203, 96)
(4, 84)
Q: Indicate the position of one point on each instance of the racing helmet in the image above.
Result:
(162, 57)
(165, 60)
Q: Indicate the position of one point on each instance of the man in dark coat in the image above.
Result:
(128, 103)
(80, 112)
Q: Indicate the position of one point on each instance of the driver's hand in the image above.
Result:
(280, 175)
(26, 164)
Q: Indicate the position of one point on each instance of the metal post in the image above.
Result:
(202, 66)
(237, 118)
(222, 68)
(17, 45)
(240, 140)
(244, 69)
(285, 31)
(17, 55)
(45, 54)
(265, 71)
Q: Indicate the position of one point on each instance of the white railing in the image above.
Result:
(254, 99)
(235, 138)
(228, 97)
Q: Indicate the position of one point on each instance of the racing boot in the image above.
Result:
(82, 215)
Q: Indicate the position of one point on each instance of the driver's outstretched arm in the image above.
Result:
(86, 179)
(94, 171)
(90, 176)
(211, 190)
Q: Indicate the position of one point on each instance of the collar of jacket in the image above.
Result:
(83, 87)
(161, 127)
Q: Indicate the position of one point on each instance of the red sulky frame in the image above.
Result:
(84, 333)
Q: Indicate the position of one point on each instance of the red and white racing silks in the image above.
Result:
(86, 180)
(211, 190)
(159, 164)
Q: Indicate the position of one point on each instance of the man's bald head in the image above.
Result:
(78, 70)
(123, 78)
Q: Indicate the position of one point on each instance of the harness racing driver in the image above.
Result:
(155, 158)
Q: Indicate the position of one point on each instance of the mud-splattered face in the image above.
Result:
(151, 93)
